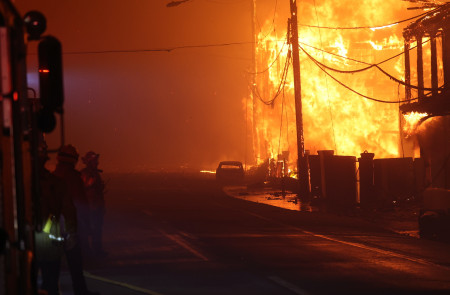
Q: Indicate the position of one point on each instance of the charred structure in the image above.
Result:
(434, 140)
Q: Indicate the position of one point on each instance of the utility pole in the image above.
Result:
(302, 164)
(253, 83)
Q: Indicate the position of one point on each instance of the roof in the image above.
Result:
(235, 163)
(430, 23)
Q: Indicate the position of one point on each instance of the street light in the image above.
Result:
(176, 3)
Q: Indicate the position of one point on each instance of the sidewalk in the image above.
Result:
(403, 220)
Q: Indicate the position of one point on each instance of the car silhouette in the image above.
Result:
(230, 172)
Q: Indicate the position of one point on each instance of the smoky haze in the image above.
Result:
(144, 110)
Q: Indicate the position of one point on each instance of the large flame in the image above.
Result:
(411, 122)
(334, 118)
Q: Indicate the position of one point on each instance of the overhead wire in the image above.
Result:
(283, 76)
(374, 27)
(351, 89)
(376, 65)
(359, 61)
(273, 62)
(319, 64)
(272, 26)
(280, 86)
(226, 1)
(245, 43)
(169, 49)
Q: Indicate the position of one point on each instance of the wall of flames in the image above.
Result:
(334, 117)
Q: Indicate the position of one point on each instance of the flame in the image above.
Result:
(383, 27)
(411, 122)
(207, 171)
(375, 46)
(392, 42)
(334, 118)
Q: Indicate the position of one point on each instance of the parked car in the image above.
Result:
(230, 172)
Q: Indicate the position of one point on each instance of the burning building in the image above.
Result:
(360, 90)
(350, 101)
(430, 81)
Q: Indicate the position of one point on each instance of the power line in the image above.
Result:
(367, 68)
(351, 89)
(272, 25)
(373, 27)
(169, 49)
(377, 66)
(272, 63)
(226, 2)
(280, 86)
(359, 61)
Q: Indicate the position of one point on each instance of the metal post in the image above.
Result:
(434, 66)
(407, 71)
(420, 67)
(446, 56)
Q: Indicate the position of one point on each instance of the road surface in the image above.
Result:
(180, 234)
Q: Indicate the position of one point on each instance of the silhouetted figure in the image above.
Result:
(54, 203)
(95, 188)
(65, 169)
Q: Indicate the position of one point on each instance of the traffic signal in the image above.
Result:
(46, 120)
(35, 24)
(50, 82)
(51, 74)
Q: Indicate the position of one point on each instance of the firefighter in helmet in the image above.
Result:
(67, 158)
(54, 202)
(95, 189)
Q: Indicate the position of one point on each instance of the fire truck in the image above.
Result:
(24, 117)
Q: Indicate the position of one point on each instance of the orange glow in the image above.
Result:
(383, 27)
(334, 118)
(208, 172)
(44, 71)
(411, 122)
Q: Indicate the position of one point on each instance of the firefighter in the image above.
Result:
(54, 203)
(67, 158)
(95, 189)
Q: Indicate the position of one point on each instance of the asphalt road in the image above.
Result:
(180, 234)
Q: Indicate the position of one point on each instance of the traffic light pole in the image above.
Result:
(302, 165)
